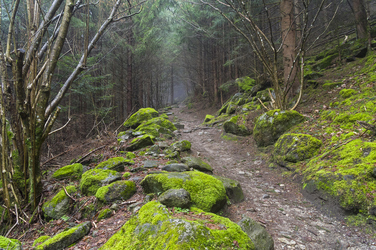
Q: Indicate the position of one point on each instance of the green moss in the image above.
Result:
(92, 180)
(346, 93)
(208, 118)
(116, 191)
(330, 85)
(141, 115)
(181, 146)
(130, 155)
(126, 175)
(164, 116)
(116, 163)
(229, 137)
(70, 171)
(40, 240)
(59, 197)
(325, 62)
(6, 243)
(156, 228)
(245, 84)
(104, 214)
(347, 173)
(205, 190)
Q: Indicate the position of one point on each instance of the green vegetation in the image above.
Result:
(70, 171)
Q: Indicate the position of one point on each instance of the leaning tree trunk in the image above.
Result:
(361, 19)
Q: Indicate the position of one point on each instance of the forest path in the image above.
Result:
(271, 199)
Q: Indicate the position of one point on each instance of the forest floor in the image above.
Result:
(273, 197)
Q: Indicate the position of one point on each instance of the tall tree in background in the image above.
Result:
(361, 19)
(28, 110)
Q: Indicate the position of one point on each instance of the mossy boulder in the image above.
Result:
(59, 205)
(207, 193)
(325, 62)
(272, 124)
(116, 164)
(346, 93)
(197, 163)
(175, 167)
(154, 227)
(295, 147)
(130, 155)
(162, 122)
(208, 118)
(93, 179)
(180, 146)
(66, 238)
(231, 126)
(257, 233)
(11, 244)
(245, 84)
(119, 190)
(345, 173)
(104, 214)
(73, 171)
(140, 116)
(40, 240)
(141, 142)
(233, 189)
(175, 198)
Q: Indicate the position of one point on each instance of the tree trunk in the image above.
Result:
(361, 19)
(129, 72)
(172, 84)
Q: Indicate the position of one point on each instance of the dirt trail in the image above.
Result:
(274, 201)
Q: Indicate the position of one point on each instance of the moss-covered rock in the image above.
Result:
(104, 214)
(272, 124)
(119, 190)
(346, 93)
(141, 142)
(208, 118)
(130, 155)
(126, 175)
(245, 84)
(156, 228)
(40, 240)
(116, 164)
(175, 198)
(325, 62)
(66, 238)
(140, 116)
(71, 171)
(233, 189)
(345, 173)
(295, 147)
(10, 244)
(231, 126)
(180, 146)
(59, 205)
(257, 233)
(162, 122)
(207, 193)
(93, 179)
(197, 163)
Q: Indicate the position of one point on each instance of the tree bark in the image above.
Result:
(361, 19)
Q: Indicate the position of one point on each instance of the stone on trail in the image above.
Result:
(93, 179)
(176, 167)
(73, 171)
(59, 205)
(233, 189)
(207, 193)
(66, 238)
(116, 164)
(257, 233)
(231, 126)
(295, 147)
(140, 116)
(141, 142)
(155, 227)
(272, 124)
(175, 198)
(197, 163)
(118, 190)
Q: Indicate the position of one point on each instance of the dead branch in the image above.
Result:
(367, 126)
(61, 154)
(66, 192)
(57, 130)
(80, 160)
(10, 230)
(263, 104)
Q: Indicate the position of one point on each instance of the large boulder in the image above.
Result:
(154, 227)
(197, 163)
(295, 147)
(245, 84)
(59, 205)
(207, 193)
(115, 163)
(233, 189)
(11, 244)
(257, 233)
(231, 126)
(73, 171)
(180, 146)
(175, 198)
(118, 190)
(66, 238)
(160, 121)
(272, 124)
(141, 142)
(140, 116)
(175, 167)
(93, 179)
